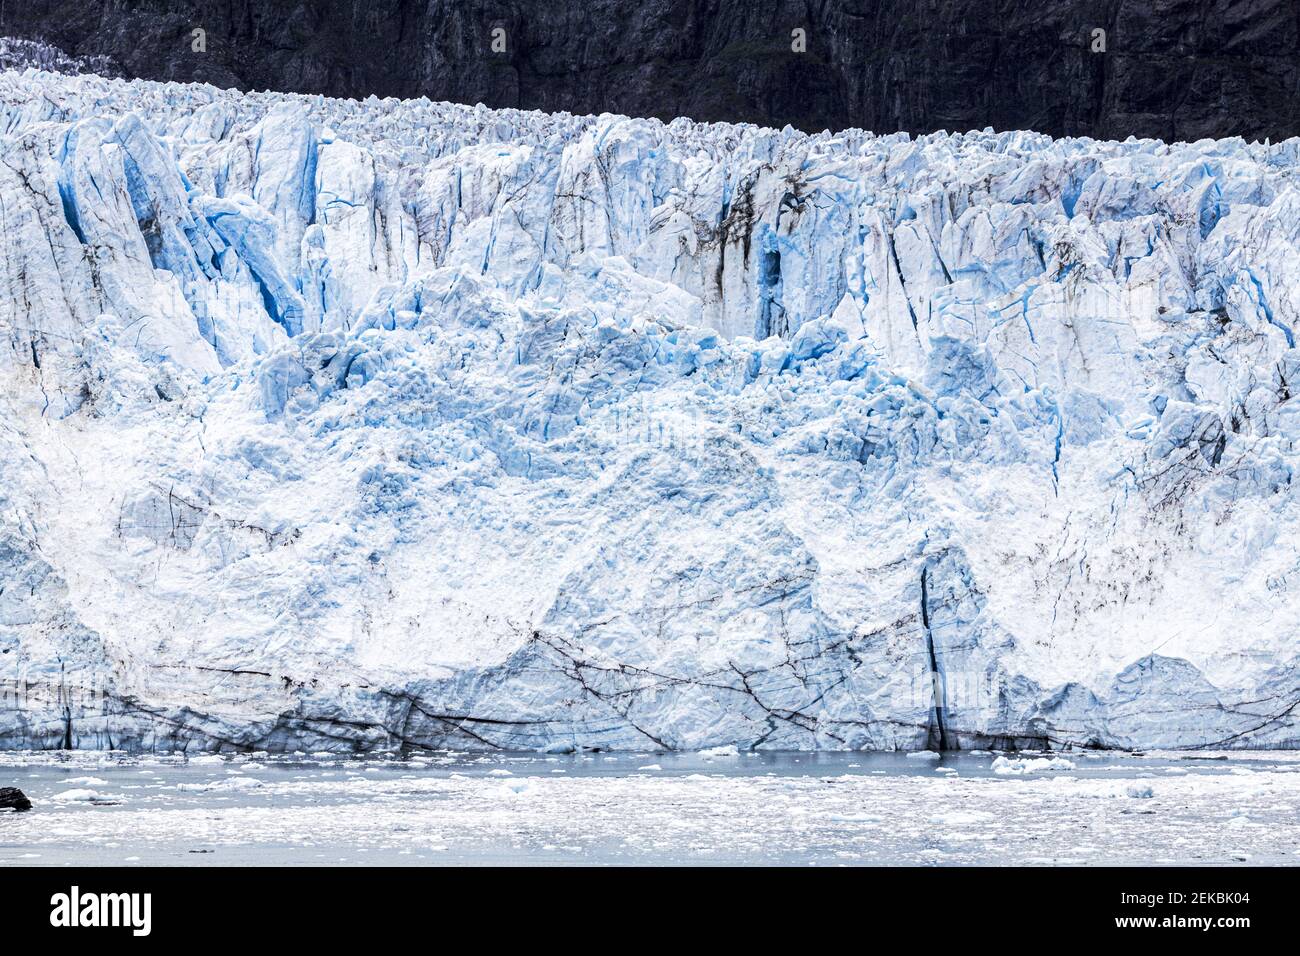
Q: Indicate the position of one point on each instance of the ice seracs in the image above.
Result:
(332, 425)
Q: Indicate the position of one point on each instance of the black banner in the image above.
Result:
(304, 906)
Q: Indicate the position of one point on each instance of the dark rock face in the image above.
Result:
(1176, 69)
(11, 798)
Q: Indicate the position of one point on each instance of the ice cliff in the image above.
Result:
(348, 425)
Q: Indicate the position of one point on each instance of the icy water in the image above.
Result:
(769, 808)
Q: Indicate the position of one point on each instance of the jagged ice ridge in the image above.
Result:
(358, 425)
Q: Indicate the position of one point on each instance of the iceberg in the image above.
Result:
(333, 425)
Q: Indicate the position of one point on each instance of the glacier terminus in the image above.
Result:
(334, 425)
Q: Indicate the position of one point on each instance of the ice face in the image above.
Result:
(354, 425)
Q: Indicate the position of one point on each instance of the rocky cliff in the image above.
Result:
(1174, 69)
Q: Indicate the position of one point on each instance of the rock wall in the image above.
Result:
(1174, 69)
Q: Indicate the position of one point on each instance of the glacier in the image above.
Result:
(377, 425)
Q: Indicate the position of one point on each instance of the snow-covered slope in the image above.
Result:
(332, 425)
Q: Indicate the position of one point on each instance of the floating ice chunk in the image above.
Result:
(230, 783)
(77, 795)
(961, 818)
(726, 750)
(1019, 767)
(514, 788)
(854, 818)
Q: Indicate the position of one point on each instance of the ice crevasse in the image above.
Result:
(355, 425)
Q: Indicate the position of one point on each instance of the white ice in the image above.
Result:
(331, 425)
